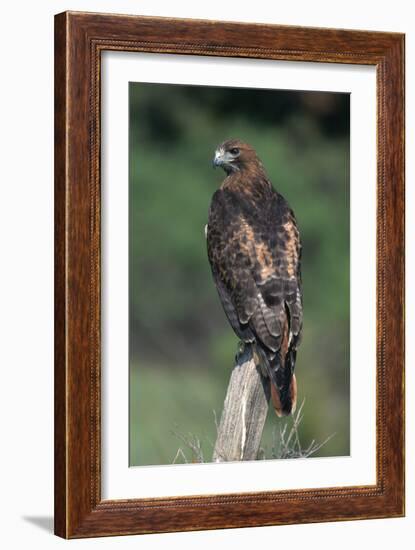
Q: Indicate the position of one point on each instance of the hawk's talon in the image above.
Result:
(240, 351)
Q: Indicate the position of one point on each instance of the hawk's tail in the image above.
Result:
(283, 381)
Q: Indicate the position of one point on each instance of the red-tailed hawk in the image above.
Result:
(255, 252)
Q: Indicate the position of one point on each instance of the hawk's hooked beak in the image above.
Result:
(218, 158)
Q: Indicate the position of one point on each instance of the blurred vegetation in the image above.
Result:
(182, 348)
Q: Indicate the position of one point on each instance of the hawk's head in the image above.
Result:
(234, 155)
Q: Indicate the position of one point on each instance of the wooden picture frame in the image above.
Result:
(79, 40)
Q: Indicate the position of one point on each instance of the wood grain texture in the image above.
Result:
(244, 412)
(60, 415)
(79, 40)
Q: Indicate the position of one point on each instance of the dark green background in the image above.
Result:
(181, 346)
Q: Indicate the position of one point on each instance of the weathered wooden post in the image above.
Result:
(244, 412)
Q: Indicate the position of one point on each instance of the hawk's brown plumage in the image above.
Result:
(254, 251)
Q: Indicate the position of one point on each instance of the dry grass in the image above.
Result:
(286, 443)
(286, 440)
(193, 445)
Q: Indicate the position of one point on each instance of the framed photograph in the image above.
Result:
(229, 343)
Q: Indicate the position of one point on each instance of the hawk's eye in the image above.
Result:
(234, 151)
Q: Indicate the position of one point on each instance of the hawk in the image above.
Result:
(254, 251)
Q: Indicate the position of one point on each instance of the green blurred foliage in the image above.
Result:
(182, 348)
